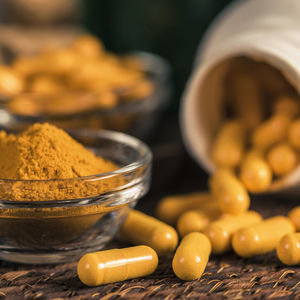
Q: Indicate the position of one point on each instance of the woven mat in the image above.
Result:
(226, 277)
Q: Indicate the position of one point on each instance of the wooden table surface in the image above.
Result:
(226, 277)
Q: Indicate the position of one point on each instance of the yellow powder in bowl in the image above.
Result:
(55, 162)
(45, 152)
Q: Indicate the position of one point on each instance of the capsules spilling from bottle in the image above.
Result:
(205, 225)
(258, 143)
(259, 136)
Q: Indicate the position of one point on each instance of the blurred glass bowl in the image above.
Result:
(136, 117)
(83, 213)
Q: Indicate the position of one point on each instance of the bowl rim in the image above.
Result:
(145, 156)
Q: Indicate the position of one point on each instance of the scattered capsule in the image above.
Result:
(229, 192)
(191, 256)
(255, 173)
(294, 216)
(262, 237)
(247, 99)
(220, 232)
(294, 134)
(270, 132)
(288, 249)
(288, 105)
(228, 146)
(198, 220)
(141, 229)
(282, 158)
(170, 208)
(116, 265)
(26, 66)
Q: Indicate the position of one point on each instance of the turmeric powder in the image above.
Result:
(45, 163)
(44, 152)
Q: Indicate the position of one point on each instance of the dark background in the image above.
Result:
(169, 28)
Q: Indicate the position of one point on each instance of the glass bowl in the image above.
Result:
(81, 214)
(136, 117)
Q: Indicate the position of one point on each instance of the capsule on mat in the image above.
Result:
(272, 131)
(294, 216)
(262, 237)
(228, 146)
(170, 208)
(116, 265)
(220, 232)
(288, 249)
(247, 99)
(192, 221)
(255, 173)
(288, 105)
(294, 134)
(191, 257)
(229, 192)
(198, 220)
(141, 229)
(282, 158)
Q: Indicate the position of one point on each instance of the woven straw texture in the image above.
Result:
(226, 277)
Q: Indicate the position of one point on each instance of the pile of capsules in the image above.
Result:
(219, 220)
(205, 228)
(80, 77)
(259, 139)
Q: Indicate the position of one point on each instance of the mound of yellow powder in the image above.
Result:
(46, 152)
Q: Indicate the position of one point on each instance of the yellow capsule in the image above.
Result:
(294, 134)
(116, 265)
(272, 131)
(282, 158)
(198, 220)
(10, 82)
(88, 46)
(228, 146)
(141, 229)
(44, 84)
(140, 90)
(262, 237)
(170, 208)
(191, 257)
(294, 216)
(288, 249)
(220, 232)
(288, 105)
(229, 192)
(255, 173)
(58, 61)
(247, 99)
